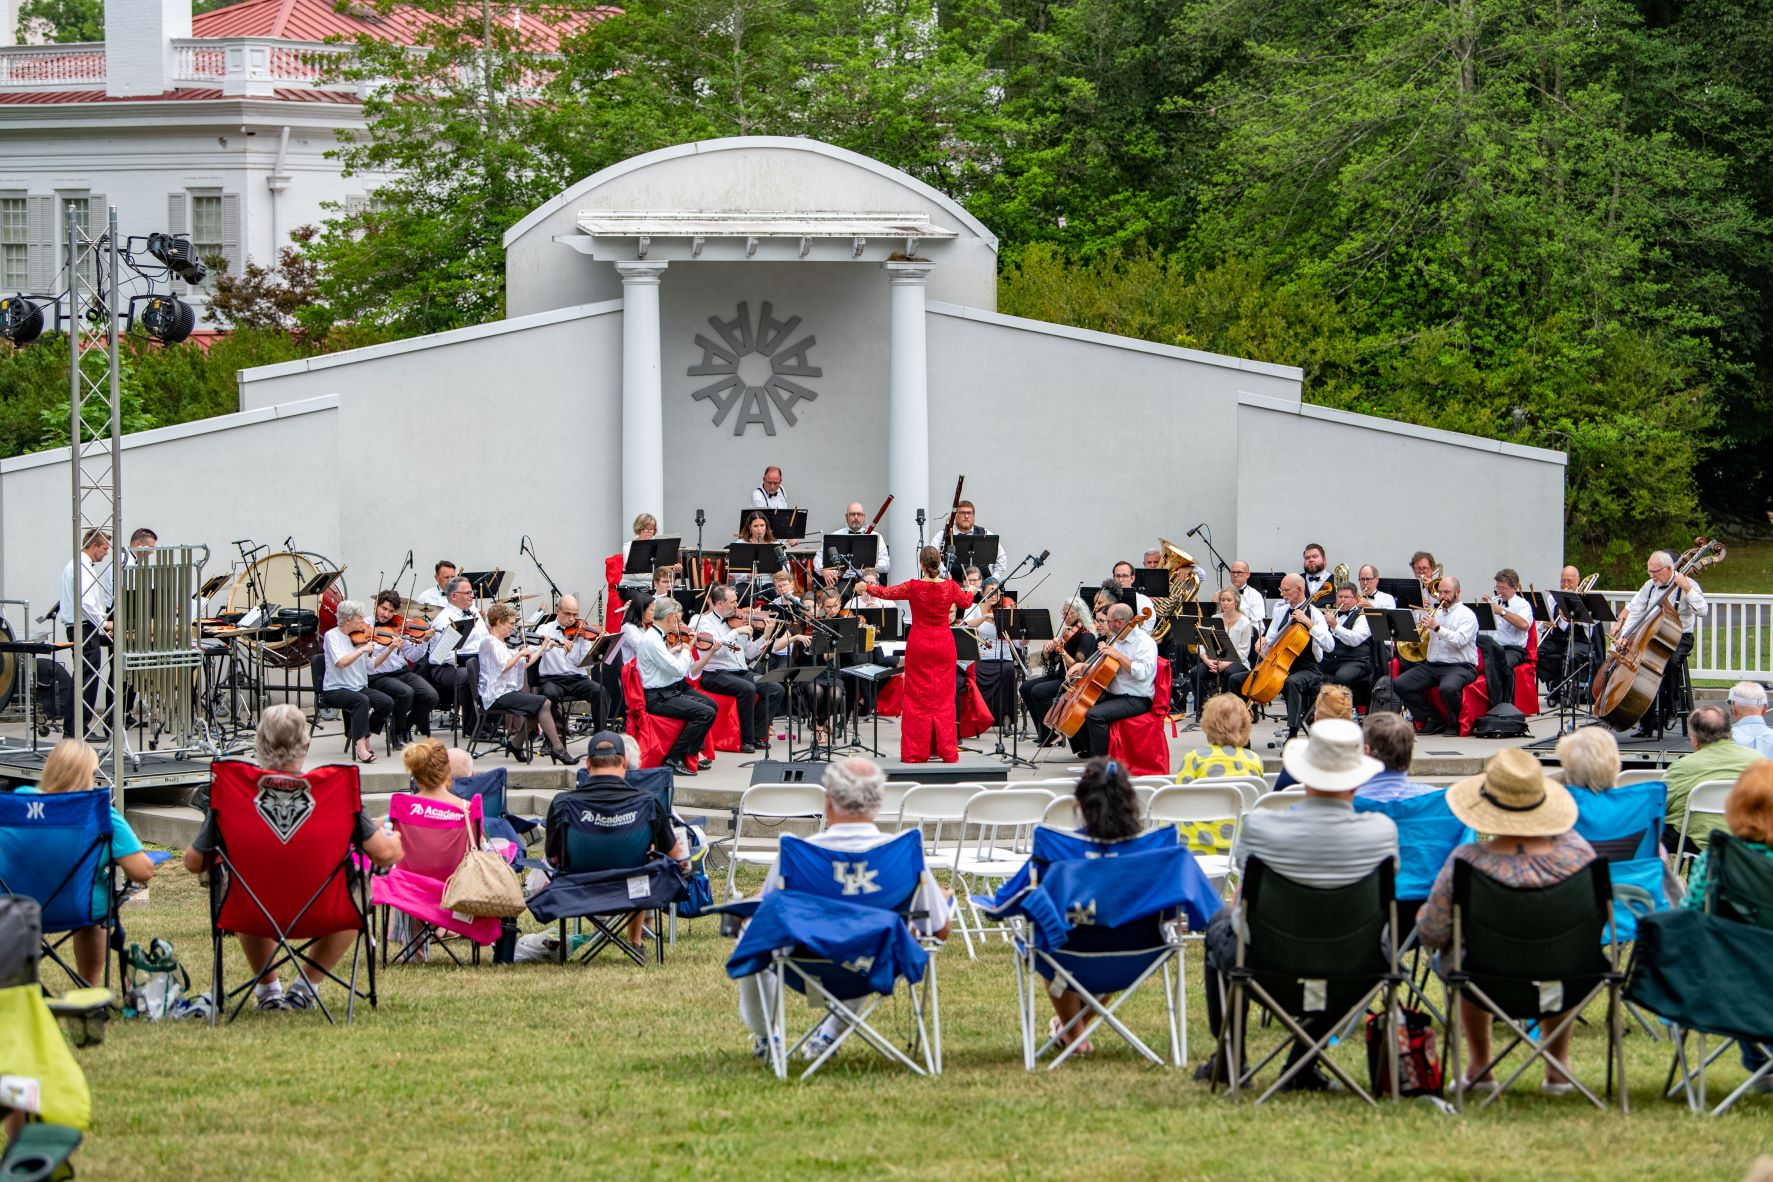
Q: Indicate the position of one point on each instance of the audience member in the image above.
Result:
(1334, 700)
(1391, 740)
(1533, 843)
(72, 766)
(1225, 723)
(461, 764)
(1714, 757)
(281, 744)
(1748, 709)
(1589, 757)
(1320, 842)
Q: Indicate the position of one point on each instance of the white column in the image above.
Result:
(643, 394)
(908, 415)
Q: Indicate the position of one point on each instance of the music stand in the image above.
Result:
(1593, 610)
(978, 550)
(487, 584)
(788, 524)
(785, 677)
(1154, 582)
(760, 558)
(1267, 582)
(1486, 618)
(646, 555)
(854, 552)
(887, 623)
(1018, 624)
(1541, 603)
(1407, 592)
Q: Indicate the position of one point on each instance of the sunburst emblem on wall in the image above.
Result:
(753, 370)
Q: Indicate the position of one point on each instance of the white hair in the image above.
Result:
(1590, 758)
(281, 741)
(1749, 693)
(1077, 607)
(461, 764)
(664, 607)
(631, 751)
(350, 609)
(854, 787)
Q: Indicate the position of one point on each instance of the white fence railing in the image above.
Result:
(252, 64)
(52, 67)
(1732, 640)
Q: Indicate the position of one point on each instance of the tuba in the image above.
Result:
(1416, 651)
(1183, 588)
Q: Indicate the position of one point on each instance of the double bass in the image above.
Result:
(1626, 684)
(1269, 677)
(1093, 679)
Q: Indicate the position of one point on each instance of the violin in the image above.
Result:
(583, 630)
(382, 635)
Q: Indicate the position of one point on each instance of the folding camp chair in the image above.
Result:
(1310, 953)
(56, 848)
(763, 804)
(1706, 800)
(606, 854)
(838, 928)
(1624, 825)
(1099, 919)
(986, 855)
(432, 842)
(284, 872)
(1705, 971)
(1527, 955)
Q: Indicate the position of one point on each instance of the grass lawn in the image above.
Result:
(1747, 569)
(609, 1071)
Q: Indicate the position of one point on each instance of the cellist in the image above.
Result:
(1129, 694)
(1689, 605)
(1306, 672)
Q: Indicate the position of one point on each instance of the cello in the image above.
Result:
(1093, 679)
(1626, 684)
(1269, 677)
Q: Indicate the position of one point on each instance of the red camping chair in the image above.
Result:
(724, 734)
(284, 870)
(433, 838)
(655, 734)
(1139, 743)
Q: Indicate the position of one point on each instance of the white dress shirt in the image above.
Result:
(1689, 604)
(394, 658)
(880, 553)
(1142, 603)
(1455, 642)
(726, 660)
(448, 640)
(659, 666)
(1506, 634)
(775, 500)
(1351, 634)
(561, 659)
(495, 680)
(993, 647)
(94, 602)
(1383, 600)
(1251, 603)
(431, 597)
(354, 676)
(1321, 640)
(1138, 675)
(1239, 631)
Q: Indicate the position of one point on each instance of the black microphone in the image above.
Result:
(701, 519)
(1195, 530)
(920, 517)
(1041, 561)
(523, 545)
(409, 558)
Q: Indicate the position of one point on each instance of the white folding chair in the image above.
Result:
(1271, 779)
(982, 854)
(1202, 801)
(1641, 775)
(1063, 814)
(1706, 800)
(891, 793)
(1254, 788)
(768, 805)
(1283, 800)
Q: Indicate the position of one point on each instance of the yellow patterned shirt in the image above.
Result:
(1214, 837)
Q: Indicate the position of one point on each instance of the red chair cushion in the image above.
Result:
(724, 734)
(891, 701)
(1475, 702)
(975, 715)
(286, 839)
(1139, 744)
(654, 734)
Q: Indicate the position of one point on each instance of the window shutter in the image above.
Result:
(231, 232)
(40, 242)
(175, 224)
(98, 215)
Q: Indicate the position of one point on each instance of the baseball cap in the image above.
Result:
(605, 744)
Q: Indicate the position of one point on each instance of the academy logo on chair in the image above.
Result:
(285, 802)
(856, 878)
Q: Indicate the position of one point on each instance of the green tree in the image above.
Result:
(61, 21)
(95, 415)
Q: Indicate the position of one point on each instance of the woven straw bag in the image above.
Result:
(482, 884)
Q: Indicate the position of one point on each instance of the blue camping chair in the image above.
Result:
(491, 787)
(1624, 825)
(837, 927)
(1100, 919)
(56, 848)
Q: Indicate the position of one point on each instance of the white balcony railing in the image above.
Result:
(1733, 639)
(254, 65)
(52, 67)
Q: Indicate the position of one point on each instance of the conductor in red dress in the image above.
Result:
(928, 716)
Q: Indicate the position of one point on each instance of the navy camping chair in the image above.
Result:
(1100, 919)
(837, 927)
(56, 848)
(491, 787)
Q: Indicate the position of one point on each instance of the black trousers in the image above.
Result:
(1667, 706)
(92, 654)
(758, 704)
(1500, 689)
(1092, 738)
(1208, 683)
(693, 709)
(561, 688)
(364, 710)
(1219, 943)
(1412, 689)
(1039, 694)
(997, 685)
(1300, 695)
(413, 700)
(455, 691)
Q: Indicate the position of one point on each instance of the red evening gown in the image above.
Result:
(928, 718)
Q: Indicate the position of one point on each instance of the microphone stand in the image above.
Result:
(1017, 673)
(1206, 535)
(553, 587)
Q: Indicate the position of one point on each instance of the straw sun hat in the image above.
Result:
(1513, 798)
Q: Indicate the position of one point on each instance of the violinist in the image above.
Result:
(1076, 642)
(994, 672)
(345, 683)
(1129, 694)
(434, 597)
(558, 676)
(1214, 676)
(1689, 604)
(1450, 664)
(1506, 646)
(865, 596)
(666, 655)
(1306, 673)
(822, 695)
(399, 644)
(738, 639)
(503, 671)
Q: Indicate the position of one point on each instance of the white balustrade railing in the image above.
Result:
(255, 65)
(52, 67)
(1731, 641)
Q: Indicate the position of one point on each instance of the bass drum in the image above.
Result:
(281, 575)
(9, 665)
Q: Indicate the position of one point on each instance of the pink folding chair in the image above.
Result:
(433, 838)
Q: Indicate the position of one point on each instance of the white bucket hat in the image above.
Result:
(1331, 758)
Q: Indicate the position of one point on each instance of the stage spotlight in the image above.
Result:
(21, 321)
(179, 256)
(168, 319)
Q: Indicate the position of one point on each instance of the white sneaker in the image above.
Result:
(271, 999)
(300, 996)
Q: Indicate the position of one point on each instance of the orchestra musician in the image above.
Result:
(928, 721)
(737, 643)
(1076, 642)
(865, 596)
(1506, 646)
(666, 655)
(391, 673)
(1153, 559)
(84, 610)
(560, 679)
(782, 582)
(435, 597)
(1129, 694)
(503, 673)
(1317, 574)
(1451, 662)
(754, 526)
(1307, 672)
(446, 673)
(1690, 605)
(998, 655)
(1250, 600)
(1123, 578)
(855, 521)
(965, 523)
(345, 684)
(1211, 676)
(1554, 646)
(768, 494)
(1370, 595)
(1350, 660)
